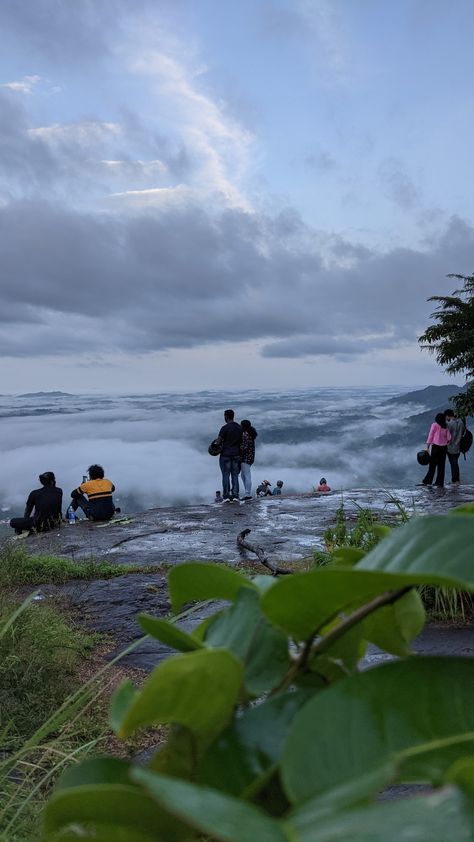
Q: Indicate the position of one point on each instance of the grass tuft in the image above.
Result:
(18, 568)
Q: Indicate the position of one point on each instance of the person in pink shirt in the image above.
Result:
(438, 439)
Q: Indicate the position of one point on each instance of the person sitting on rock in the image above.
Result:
(99, 503)
(43, 507)
(264, 489)
(323, 487)
(277, 490)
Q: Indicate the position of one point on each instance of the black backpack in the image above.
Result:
(466, 441)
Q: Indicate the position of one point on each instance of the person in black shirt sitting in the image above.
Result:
(229, 459)
(43, 507)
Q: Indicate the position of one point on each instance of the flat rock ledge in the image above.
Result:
(289, 528)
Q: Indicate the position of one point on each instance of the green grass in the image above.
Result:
(39, 653)
(18, 568)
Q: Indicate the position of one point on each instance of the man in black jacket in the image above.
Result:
(46, 502)
(229, 459)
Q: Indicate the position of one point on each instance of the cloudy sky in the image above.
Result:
(199, 194)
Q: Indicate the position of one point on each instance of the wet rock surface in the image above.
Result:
(289, 528)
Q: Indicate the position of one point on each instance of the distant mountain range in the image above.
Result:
(430, 396)
(46, 395)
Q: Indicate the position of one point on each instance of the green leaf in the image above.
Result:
(434, 550)
(222, 816)
(304, 603)
(99, 770)
(197, 690)
(250, 747)
(347, 556)
(393, 627)
(340, 659)
(441, 817)
(418, 711)
(428, 550)
(262, 648)
(462, 774)
(197, 581)
(465, 509)
(168, 633)
(122, 700)
(106, 808)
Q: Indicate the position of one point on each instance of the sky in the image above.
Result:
(253, 194)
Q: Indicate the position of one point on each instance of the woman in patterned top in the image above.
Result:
(247, 456)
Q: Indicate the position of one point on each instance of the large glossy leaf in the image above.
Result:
(197, 581)
(168, 633)
(304, 603)
(222, 816)
(428, 550)
(441, 817)
(103, 808)
(250, 747)
(393, 627)
(417, 711)
(261, 647)
(437, 550)
(197, 690)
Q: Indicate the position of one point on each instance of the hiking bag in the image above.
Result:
(466, 441)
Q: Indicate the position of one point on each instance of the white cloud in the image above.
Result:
(23, 86)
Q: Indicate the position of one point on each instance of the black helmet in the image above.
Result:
(423, 457)
(215, 447)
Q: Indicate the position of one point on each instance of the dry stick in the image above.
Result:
(260, 553)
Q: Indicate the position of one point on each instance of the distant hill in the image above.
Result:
(46, 395)
(430, 396)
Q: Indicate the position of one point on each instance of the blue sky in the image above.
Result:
(262, 193)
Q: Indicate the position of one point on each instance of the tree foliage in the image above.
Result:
(451, 337)
(275, 734)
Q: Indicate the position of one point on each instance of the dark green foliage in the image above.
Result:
(274, 733)
(451, 337)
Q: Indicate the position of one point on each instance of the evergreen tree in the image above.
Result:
(451, 338)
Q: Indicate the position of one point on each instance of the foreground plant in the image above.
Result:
(274, 733)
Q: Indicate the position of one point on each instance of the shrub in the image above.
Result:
(274, 734)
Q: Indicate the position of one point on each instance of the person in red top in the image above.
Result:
(99, 503)
(438, 438)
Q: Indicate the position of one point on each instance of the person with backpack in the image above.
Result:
(456, 428)
(438, 438)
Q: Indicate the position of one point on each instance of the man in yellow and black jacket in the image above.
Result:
(99, 503)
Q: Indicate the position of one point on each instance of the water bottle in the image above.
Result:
(71, 517)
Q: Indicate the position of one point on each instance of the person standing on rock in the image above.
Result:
(229, 460)
(456, 428)
(247, 456)
(438, 438)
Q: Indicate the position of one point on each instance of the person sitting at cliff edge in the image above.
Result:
(43, 507)
(99, 503)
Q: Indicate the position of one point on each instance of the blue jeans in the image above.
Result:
(230, 467)
(246, 477)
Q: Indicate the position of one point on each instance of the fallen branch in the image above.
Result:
(260, 553)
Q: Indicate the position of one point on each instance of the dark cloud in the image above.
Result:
(178, 278)
(397, 184)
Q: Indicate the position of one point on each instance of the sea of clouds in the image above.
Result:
(154, 447)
